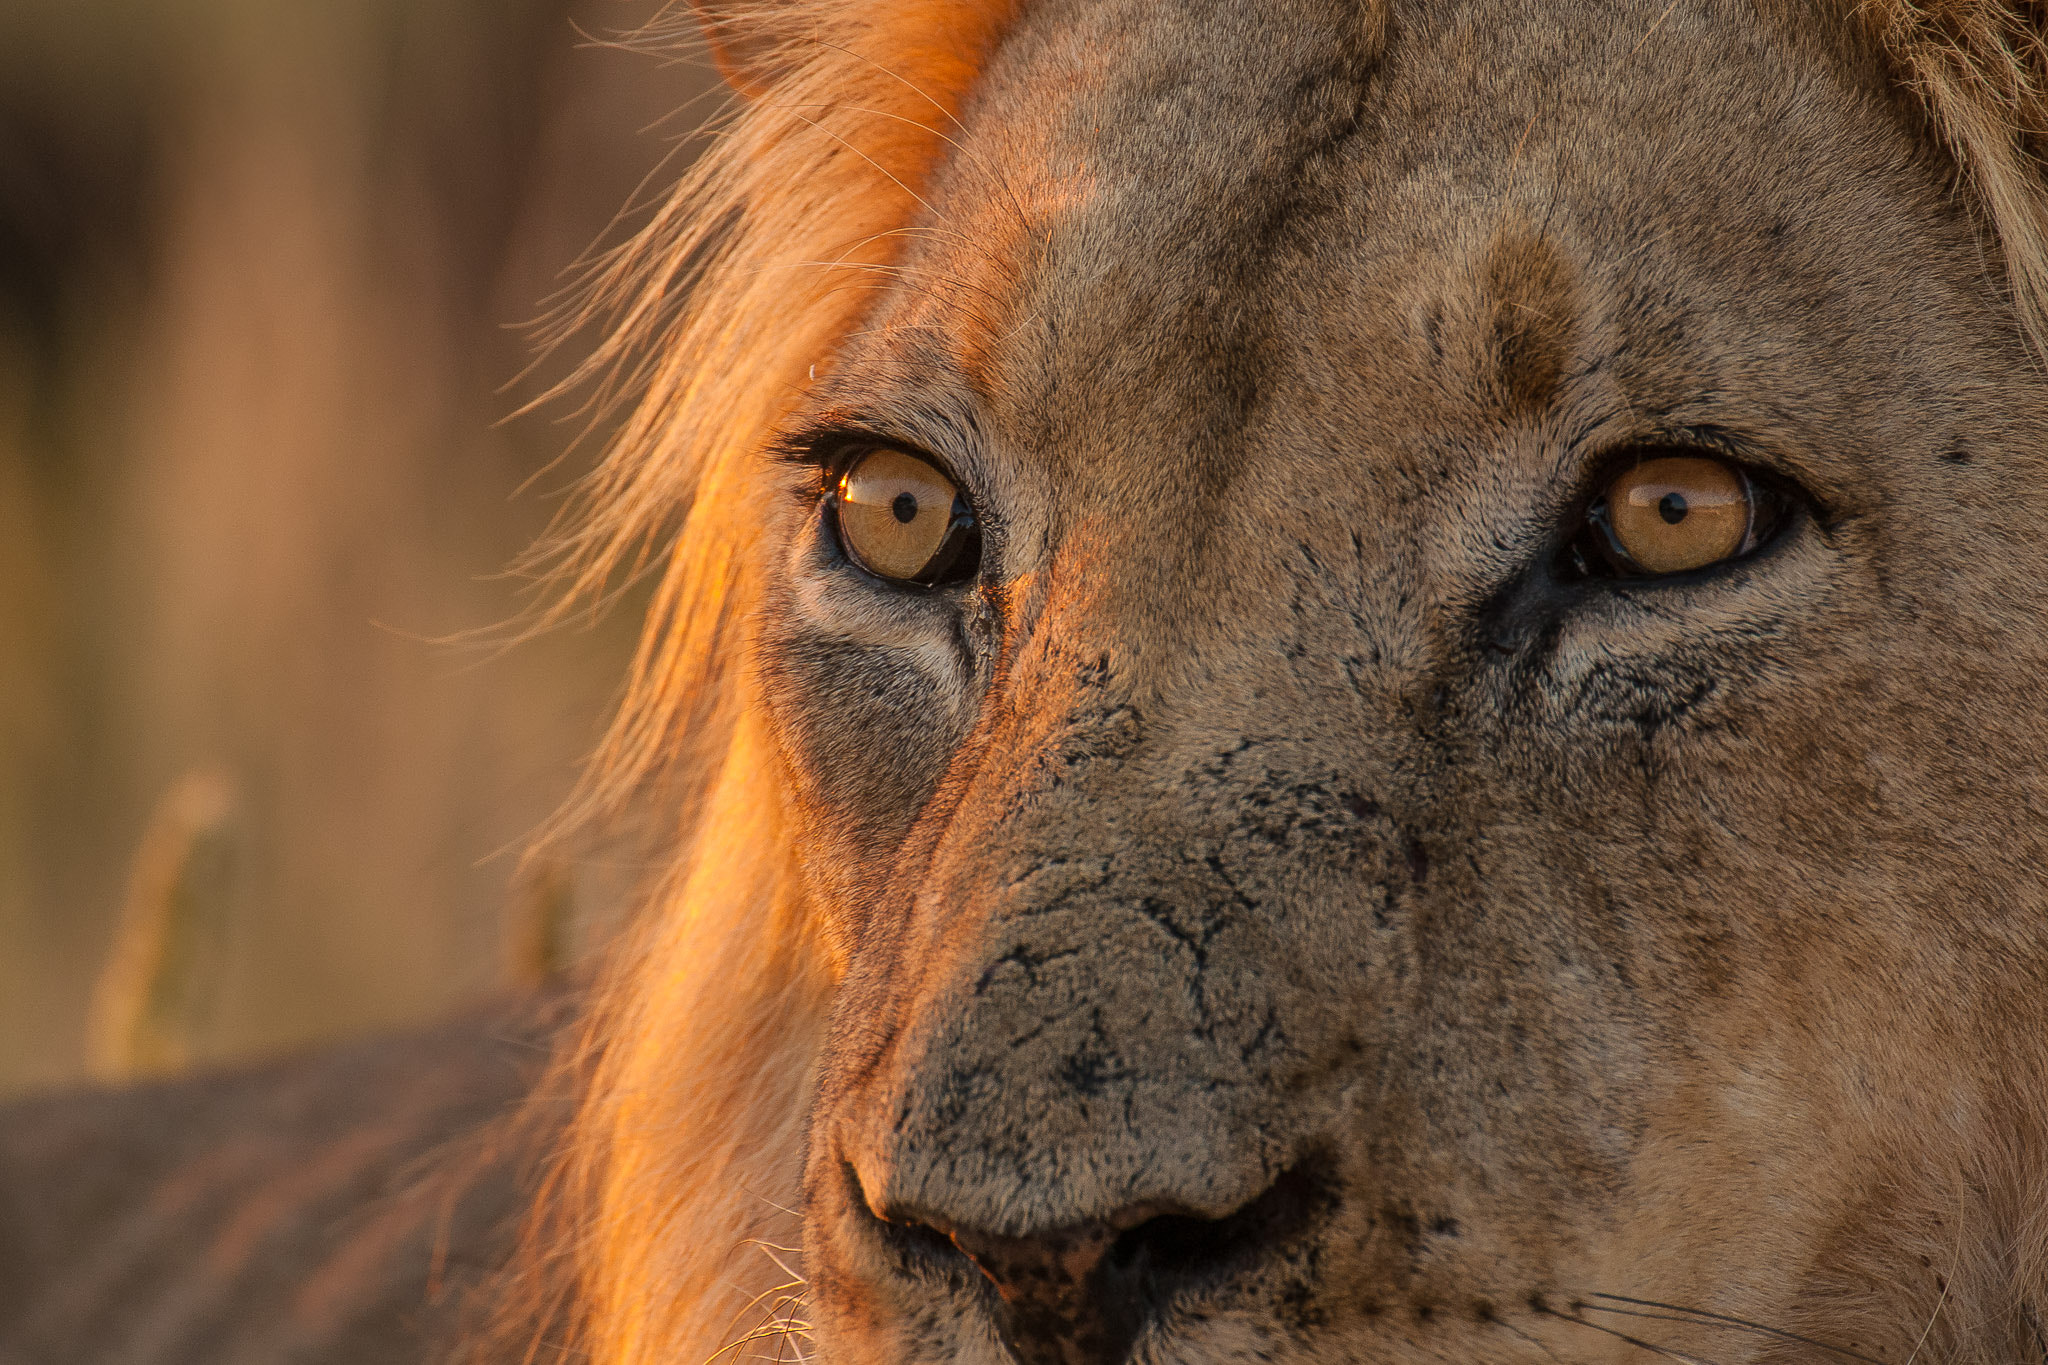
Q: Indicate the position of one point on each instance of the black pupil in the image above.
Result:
(905, 508)
(1671, 507)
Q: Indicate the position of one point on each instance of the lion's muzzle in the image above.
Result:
(1098, 1091)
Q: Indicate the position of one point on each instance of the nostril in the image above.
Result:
(1080, 1295)
(927, 1244)
(1174, 1252)
(1058, 1307)
(917, 1246)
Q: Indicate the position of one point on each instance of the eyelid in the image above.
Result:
(1767, 466)
(1592, 541)
(830, 446)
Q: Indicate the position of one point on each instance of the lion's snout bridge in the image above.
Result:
(1105, 1106)
(1101, 1059)
(1153, 1042)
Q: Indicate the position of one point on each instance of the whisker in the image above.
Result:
(771, 1293)
(1932, 1318)
(927, 284)
(772, 1327)
(1650, 1346)
(794, 1331)
(795, 1278)
(779, 1318)
(1722, 1319)
(924, 281)
(898, 76)
(909, 275)
(739, 1343)
(773, 1204)
(782, 1329)
(1533, 1340)
(916, 230)
(1653, 30)
(771, 1246)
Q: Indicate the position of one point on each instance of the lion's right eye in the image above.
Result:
(900, 518)
(1673, 513)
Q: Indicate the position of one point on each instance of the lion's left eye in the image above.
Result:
(1671, 514)
(902, 519)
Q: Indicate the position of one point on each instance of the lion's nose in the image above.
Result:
(1080, 1295)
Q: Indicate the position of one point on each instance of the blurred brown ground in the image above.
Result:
(257, 266)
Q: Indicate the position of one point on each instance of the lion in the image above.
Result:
(1336, 681)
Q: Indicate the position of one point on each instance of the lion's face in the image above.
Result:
(1295, 906)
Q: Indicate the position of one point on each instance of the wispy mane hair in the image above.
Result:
(662, 1231)
(1981, 69)
(656, 1228)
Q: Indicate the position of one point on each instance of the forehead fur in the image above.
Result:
(1159, 296)
(1199, 176)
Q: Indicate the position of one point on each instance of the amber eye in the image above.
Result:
(1669, 514)
(901, 519)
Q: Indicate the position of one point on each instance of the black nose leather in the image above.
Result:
(1081, 1295)
(1067, 1299)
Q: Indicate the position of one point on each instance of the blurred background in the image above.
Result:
(262, 266)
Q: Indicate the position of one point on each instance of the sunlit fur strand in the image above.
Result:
(699, 1105)
(690, 1083)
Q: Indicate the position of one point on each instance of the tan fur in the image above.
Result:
(702, 1045)
(1982, 69)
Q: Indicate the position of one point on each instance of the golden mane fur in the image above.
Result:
(664, 1232)
(646, 1248)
